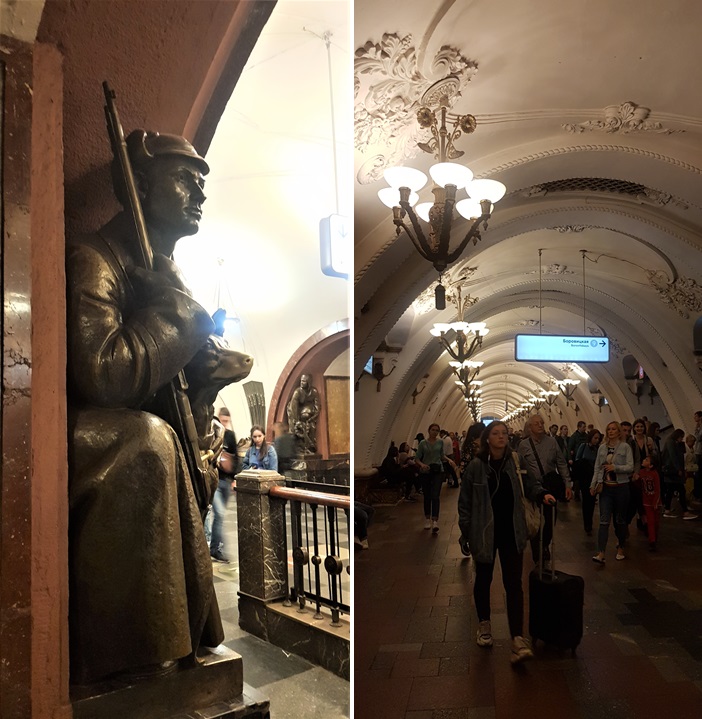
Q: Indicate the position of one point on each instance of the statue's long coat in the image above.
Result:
(141, 587)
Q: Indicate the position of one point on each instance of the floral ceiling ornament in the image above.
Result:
(528, 323)
(683, 294)
(656, 197)
(625, 118)
(563, 229)
(553, 269)
(390, 87)
(454, 277)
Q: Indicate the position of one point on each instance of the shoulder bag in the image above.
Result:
(552, 482)
(531, 514)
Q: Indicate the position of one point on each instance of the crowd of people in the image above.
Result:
(628, 471)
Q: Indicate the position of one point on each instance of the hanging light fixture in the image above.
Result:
(549, 395)
(449, 178)
(469, 338)
(567, 385)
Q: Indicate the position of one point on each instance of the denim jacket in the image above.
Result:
(252, 461)
(475, 516)
(623, 462)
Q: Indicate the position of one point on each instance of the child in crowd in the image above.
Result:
(651, 496)
(690, 466)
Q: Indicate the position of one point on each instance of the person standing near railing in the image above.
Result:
(430, 458)
(260, 455)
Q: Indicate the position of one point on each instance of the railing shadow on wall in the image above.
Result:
(294, 547)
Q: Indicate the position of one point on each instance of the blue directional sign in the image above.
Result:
(560, 348)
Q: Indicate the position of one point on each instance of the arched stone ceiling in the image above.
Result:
(585, 114)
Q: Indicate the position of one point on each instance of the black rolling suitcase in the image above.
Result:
(555, 604)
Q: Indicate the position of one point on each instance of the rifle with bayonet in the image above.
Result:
(179, 413)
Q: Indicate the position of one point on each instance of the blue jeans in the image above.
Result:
(215, 517)
(431, 488)
(613, 502)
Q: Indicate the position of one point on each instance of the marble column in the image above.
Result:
(263, 566)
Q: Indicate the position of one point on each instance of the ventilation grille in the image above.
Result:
(594, 184)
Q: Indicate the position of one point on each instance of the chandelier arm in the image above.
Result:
(418, 239)
(472, 232)
(420, 244)
(447, 219)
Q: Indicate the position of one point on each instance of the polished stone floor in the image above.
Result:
(295, 687)
(415, 625)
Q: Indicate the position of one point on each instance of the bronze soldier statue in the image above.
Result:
(303, 410)
(141, 586)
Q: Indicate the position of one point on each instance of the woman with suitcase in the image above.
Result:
(491, 518)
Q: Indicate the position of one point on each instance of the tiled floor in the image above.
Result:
(415, 623)
(295, 687)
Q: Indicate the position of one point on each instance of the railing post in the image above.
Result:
(263, 565)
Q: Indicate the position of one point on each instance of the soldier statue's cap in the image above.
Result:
(144, 146)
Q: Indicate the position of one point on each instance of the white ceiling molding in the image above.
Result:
(390, 85)
(684, 295)
(625, 118)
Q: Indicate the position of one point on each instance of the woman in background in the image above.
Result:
(613, 467)
(260, 455)
(583, 468)
(430, 458)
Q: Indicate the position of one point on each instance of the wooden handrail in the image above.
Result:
(308, 497)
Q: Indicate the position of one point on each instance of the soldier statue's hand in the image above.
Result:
(164, 275)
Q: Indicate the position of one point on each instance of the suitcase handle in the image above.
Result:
(553, 542)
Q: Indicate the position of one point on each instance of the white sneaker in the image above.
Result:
(521, 650)
(427, 523)
(435, 525)
(484, 637)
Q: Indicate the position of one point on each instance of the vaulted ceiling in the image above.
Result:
(589, 114)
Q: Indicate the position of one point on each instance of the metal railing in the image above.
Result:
(320, 534)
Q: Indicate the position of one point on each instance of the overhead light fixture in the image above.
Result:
(567, 385)
(449, 179)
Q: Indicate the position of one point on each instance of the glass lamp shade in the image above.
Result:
(422, 209)
(450, 173)
(486, 190)
(439, 328)
(470, 209)
(405, 177)
(457, 365)
(476, 327)
(460, 326)
(390, 197)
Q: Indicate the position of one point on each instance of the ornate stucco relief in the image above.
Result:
(390, 86)
(453, 278)
(528, 323)
(624, 118)
(563, 229)
(684, 295)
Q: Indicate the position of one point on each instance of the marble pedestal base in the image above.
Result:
(214, 689)
(286, 627)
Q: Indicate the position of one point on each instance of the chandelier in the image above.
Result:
(567, 386)
(449, 178)
(469, 338)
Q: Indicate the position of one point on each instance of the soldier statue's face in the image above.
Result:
(174, 194)
(304, 381)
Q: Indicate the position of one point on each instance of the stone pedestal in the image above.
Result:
(214, 688)
(263, 564)
(263, 580)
